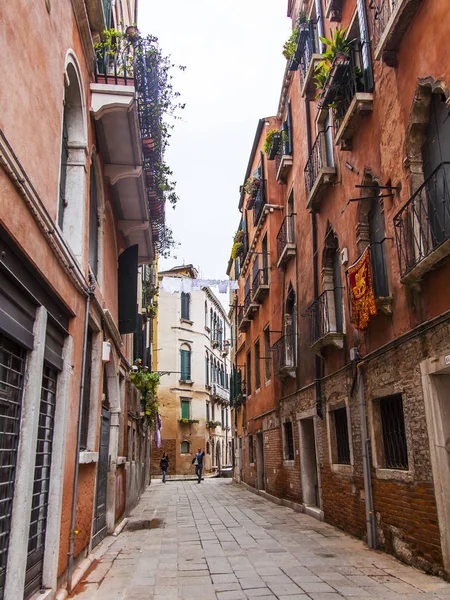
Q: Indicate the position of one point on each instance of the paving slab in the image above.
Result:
(218, 541)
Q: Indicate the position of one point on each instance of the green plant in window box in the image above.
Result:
(185, 421)
(213, 424)
(147, 383)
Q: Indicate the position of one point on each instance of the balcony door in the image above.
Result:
(435, 151)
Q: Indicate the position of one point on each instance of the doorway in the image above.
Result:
(99, 530)
(260, 460)
(308, 463)
(436, 388)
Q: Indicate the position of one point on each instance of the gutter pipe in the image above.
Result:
(90, 294)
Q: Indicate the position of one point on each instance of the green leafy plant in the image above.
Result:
(213, 424)
(271, 138)
(302, 17)
(251, 186)
(337, 46)
(147, 383)
(236, 250)
(290, 45)
(184, 421)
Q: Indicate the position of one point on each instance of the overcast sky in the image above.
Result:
(234, 69)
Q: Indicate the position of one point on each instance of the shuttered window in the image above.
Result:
(185, 364)
(185, 408)
(94, 223)
(185, 306)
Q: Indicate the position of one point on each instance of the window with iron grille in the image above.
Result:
(342, 454)
(288, 440)
(250, 449)
(257, 365)
(249, 373)
(12, 367)
(87, 393)
(393, 429)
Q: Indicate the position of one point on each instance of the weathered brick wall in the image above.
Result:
(250, 473)
(168, 446)
(273, 464)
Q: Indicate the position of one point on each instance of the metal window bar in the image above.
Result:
(39, 503)
(289, 437)
(286, 234)
(323, 316)
(393, 428)
(380, 12)
(12, 368)
(423, 224)
(315, 162)
(308, 45)
(341, 430)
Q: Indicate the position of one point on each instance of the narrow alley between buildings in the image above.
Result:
(219, 541)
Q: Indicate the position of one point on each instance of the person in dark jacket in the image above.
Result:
(164, 464)
(198, 462)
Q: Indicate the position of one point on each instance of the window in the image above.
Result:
(250, 449)
(207, 370)
(223, 418)
(213, 411)
(185, 447)
(342, 446)
(185, 353)
(94, 222)
(267, 363)
(206, 315)
(207, 412)
(249, 373)
(208, 448)
(288, 440)
(257, 364)
(87, 393)
(393, 433)
(185, 408)
(378, 258)
(185, 306)
(63, 171)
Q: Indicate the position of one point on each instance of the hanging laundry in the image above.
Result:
(171, 284)
(223, 286)
(234, 285)
(186, 285)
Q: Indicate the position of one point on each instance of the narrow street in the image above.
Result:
(217, 540)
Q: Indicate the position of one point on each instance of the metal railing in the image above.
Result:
(323, 320)
(315, 162)
(423, 224)
(284, 353)
(380, 12)
(259, 203)
(351, 81)
(308, 45)
(286, 234)
(240, 315)
(130, 65)
(261, 278)
(394, 438)
(248, 300)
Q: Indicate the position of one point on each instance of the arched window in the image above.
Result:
(71, 215)
(94, 221)
(185, 448)
(207, 369)
(185, 306)
(332, 284)
(222, 377)
(185, 358)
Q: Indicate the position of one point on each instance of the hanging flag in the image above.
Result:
(361, 291)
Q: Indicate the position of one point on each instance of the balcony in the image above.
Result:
(259, 203)
(284, 356)
(243, 321)
(308, 57)
(346, 92)
(283, 162)
(128, 132)
(260, 285)
(390, 19)
(333, 10)
(220, 393)
(325, 328)
(286, 241)
(422, 226)
(250, 306)
(318, 173)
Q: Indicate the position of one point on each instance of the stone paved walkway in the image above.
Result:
(218, 541)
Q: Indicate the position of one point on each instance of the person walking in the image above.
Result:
(198, 462)
(164, 465)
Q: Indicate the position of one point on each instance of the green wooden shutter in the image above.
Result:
(185, 409)
(185, 365)
(127, 283)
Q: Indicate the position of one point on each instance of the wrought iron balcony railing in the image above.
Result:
(260, 284)
(315, 162)
(324, 321)
(422, 226)
(259, 203)
(307, 47)
(284, 355)
(286, 239)
(380, 12)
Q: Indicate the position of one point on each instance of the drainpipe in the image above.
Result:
(136, 12)
(318, 360)
(365, 443)
(90, 293)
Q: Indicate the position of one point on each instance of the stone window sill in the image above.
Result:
(288, 463)
(85, 457)
(186, 381)
(343, 469)
(186, 321)
(394, 474)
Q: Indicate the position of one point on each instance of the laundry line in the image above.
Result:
(174, 285)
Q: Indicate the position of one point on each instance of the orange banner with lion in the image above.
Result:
(361, 291)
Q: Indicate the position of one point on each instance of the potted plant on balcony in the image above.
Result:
(184, 421)
(329, 68)
(238, 244)
(251, 188)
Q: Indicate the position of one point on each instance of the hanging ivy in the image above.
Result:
(147, 383)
